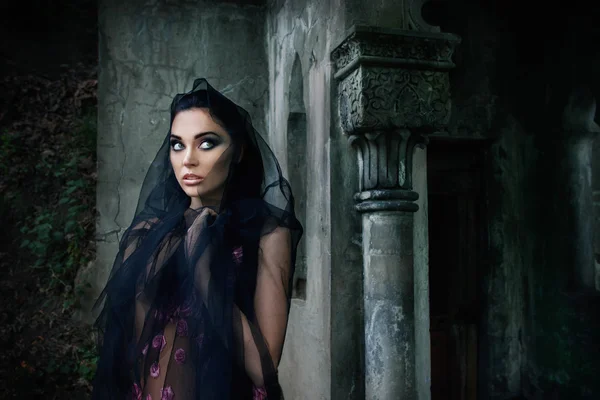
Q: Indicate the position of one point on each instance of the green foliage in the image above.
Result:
(83, 363)
(48, 186)
(54, 234)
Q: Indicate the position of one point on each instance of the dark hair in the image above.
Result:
(246, 176)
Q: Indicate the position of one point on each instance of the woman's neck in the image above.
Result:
(198, 203)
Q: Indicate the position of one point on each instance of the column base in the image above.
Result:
(386, 200)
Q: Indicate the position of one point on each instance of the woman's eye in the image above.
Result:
(176, 146)
(207, 145)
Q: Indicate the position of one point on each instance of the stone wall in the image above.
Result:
(299, 123)
(149, 51)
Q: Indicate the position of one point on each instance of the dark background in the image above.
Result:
(42, 35)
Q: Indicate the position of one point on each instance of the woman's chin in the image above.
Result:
(192, 191)
(195, 197)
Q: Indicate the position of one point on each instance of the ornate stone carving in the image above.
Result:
(367, 45)
(377, 98)
(385, 159)
(394, 88)
(394, 79)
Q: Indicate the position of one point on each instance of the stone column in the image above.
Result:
(574, 145)
(393, 89)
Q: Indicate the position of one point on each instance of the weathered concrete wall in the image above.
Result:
(149, 51)
(509, 253)
(562, 328)
(299, 80)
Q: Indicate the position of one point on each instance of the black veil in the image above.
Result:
(197, 301)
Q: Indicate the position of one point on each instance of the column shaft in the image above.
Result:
(389, 305)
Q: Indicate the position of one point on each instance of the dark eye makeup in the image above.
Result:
(205, 144)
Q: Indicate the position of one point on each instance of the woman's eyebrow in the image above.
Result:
(197, 135)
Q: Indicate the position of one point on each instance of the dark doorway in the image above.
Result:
(455, 184)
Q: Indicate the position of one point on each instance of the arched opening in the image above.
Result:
(297, 167)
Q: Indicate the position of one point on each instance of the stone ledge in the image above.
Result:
(393, 47)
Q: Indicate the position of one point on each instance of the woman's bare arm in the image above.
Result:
(270, 302)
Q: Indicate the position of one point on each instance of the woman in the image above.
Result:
(197, 302)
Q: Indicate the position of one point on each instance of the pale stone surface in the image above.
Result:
(298, 39)
(421, 271)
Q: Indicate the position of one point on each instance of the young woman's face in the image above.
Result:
(201, 153)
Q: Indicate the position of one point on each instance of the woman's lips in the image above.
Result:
(192, 180)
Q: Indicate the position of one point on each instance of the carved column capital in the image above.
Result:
(393, 89)
(385, 169)
(391, 79)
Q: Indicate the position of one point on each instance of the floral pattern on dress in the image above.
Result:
(178, 316)
(155, 370)
(159, 341)
(259, 393)
(182, 328)
(179, 356)
(137, 392)
(238, 254)
(167, 393)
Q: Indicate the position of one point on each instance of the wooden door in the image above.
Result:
(456, 235)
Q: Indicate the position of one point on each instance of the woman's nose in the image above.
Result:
(190, 159)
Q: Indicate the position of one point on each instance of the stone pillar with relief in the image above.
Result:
(393, 89)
